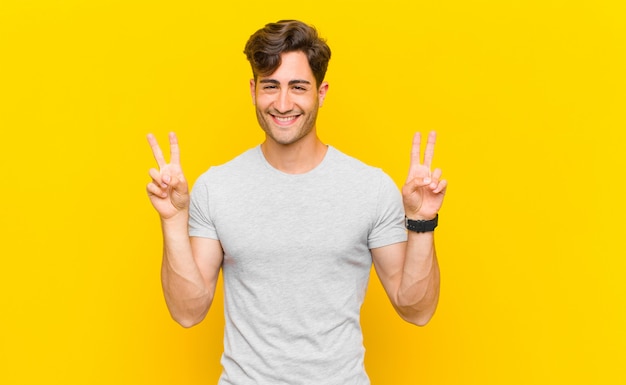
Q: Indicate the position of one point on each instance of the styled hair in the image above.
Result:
(265, 46)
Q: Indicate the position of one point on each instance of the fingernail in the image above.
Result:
(426, 180)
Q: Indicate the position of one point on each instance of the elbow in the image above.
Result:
(416, 317)
(419, 313)
(419, 307)
(420, 320)
(187, 322)
(188, 316)
(420, 323)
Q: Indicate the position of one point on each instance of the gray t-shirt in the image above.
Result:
(296, 263)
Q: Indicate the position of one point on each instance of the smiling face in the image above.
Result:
(287, 100)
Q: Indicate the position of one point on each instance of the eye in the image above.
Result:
(270, 88)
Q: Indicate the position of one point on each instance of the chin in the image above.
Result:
(285, 141)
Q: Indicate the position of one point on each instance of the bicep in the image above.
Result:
(208, 255)
(389, 262)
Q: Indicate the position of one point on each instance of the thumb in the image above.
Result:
(419, 182)
(178, 183)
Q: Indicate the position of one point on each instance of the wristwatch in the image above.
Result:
(421, 226)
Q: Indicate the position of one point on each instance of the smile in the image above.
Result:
(285, 120)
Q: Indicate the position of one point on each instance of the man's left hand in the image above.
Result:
(424, 189)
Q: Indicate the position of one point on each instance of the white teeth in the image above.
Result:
(284, 119)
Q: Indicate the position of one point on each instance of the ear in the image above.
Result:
(253, 91)
(321, 93)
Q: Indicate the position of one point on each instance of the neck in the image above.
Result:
(296, 158)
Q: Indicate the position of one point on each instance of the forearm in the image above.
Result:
(187, 296)
(418, 290)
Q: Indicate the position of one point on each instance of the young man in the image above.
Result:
(295, 226)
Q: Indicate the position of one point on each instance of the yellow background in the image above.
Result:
(528, 98)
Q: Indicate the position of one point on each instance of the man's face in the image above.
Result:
(287, 100)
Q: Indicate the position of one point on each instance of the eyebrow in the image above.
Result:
(291, 82)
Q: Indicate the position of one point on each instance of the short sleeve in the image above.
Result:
(200, 222)
(388, 225)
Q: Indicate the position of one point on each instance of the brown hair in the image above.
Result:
(265, 46)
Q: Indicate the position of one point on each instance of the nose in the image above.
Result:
(284, 103)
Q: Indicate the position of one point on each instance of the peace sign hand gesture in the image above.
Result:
(168, 190)
(424, 190)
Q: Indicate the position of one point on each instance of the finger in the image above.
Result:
(157, 177)
(156, 151)
(417, 183)
(435, 176)
(154, 189)
(415, 154)
(429, 152)
(178, 183)
(174, 150)
(441, 187)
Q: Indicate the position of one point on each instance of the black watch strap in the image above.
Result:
(421, 226)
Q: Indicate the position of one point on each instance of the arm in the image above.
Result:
(409, 271)
(190, 266)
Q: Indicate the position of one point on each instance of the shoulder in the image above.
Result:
(236, 167)
(343, 163)
(368, 180)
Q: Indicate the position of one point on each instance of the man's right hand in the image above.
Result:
(168, 190)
